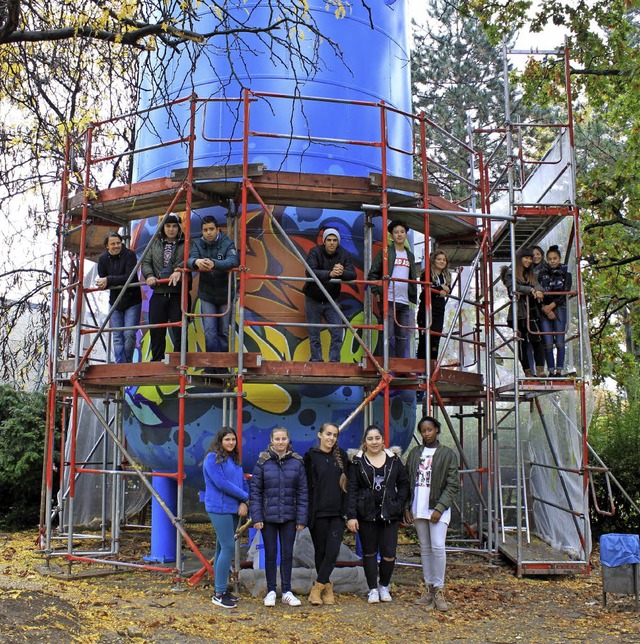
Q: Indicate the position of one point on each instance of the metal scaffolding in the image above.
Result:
(499, 508)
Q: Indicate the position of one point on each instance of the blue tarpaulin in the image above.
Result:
(619, 549)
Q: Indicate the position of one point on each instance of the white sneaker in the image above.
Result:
(291, 599)
(374, 596)
(385, 595)
(270, 599)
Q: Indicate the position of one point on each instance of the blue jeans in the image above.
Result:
(315, 312)
(555, 331)
(225, 526)
(124, 342)
(400, 324)
(216, 329)
(270, 534)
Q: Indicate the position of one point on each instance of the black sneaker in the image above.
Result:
(223, 601)
(231, 597)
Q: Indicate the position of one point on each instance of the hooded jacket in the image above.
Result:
(117, 268)
(321, 263)
(213, 285)
(153, 262)
(362, 504)
(326, 499)
(375, 273)
(279, 489)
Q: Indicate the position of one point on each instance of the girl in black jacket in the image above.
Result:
(554, 277)
(440, 289)
(528, 293)
(378, 489)
(327, 467)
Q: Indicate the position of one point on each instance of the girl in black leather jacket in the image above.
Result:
(378, 489)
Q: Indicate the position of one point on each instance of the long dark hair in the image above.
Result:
(370, 428)
(526, 276)
(337, 455)
(220, 452)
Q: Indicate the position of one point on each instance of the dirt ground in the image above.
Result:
(488, 604)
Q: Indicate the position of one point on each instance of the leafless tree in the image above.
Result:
(67, 63)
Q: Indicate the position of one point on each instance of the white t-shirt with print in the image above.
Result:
(399, 291)
(420, 507)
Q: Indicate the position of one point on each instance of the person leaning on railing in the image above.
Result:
(162, 262)
(115, 266)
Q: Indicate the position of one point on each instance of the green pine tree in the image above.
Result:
(458, 81)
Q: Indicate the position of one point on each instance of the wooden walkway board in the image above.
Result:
(539, 558)
(220, 185)
(256, 370)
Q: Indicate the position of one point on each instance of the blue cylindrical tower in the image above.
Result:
(374, 68)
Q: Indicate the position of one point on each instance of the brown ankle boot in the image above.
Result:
(327, 594)
(426, 598)
(315, 596)
(540, 372)
(440, 601)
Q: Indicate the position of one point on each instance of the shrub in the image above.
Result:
(22, 432)
(615, 436)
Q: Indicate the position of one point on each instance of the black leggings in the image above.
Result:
(378, 537)
(327, 534)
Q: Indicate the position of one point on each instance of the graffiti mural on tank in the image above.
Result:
(151, 412)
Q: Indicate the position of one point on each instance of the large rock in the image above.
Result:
(349, 579)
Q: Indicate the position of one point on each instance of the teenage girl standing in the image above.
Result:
(554, 277)
(279, 498)
(440, 289)
(327, 467)
(434, 479)
(225, 499)
(378, 489)
(529, 292)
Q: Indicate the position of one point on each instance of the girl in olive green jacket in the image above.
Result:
(435, 482)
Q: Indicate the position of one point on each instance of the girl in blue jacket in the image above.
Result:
(225, 499)
(280, 508)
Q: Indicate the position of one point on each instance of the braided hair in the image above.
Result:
(335, 452)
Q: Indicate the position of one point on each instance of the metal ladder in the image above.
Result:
(508, 492)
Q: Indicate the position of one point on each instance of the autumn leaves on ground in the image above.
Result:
(488, 604)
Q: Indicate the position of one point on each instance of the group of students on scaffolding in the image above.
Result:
(541, 288)
(213, 255)
(372, 492)
(369, 493)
